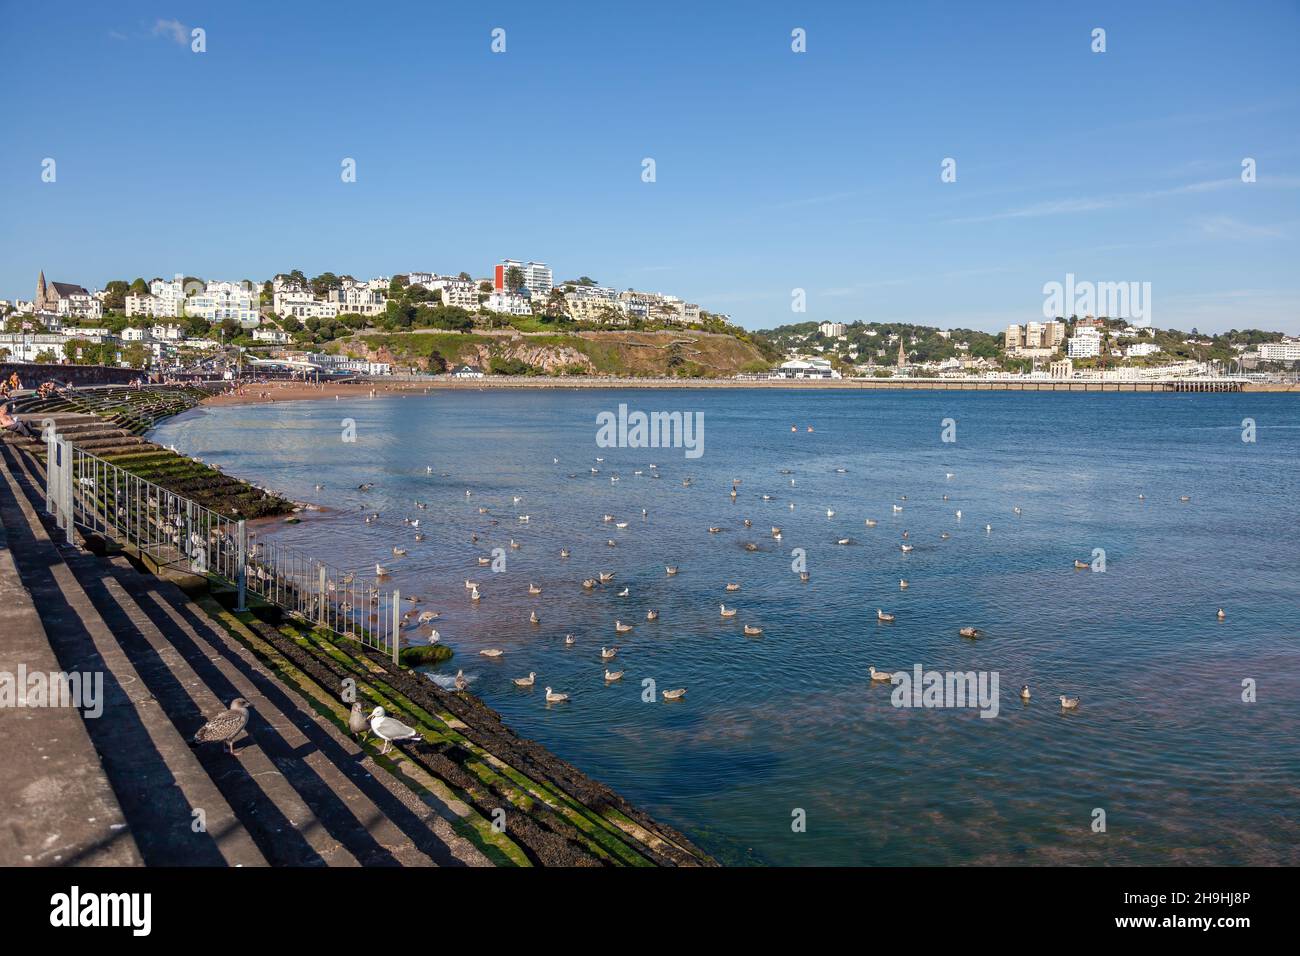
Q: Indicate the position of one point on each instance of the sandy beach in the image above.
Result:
(276, 391)
(261, 393)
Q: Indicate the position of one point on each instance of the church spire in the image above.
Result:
(902, 356)
(40, 290)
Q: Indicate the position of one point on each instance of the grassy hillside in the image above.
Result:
(686, 354)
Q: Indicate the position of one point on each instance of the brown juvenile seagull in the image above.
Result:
(358, 722)
(226, 726)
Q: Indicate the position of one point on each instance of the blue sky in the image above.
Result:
(774, 170)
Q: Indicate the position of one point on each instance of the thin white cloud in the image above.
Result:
(1060, 207)
(1225, 227)
(178, 31)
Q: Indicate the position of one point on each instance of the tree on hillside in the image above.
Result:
(555, 303)
(115, 295)
(139, 287)
(324, 283)
(436, 364)
(514, 278)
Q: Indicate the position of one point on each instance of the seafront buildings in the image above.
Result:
(63, 319)
(1034, 339)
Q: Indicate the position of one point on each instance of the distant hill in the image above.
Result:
(877, 342)
(685, 354)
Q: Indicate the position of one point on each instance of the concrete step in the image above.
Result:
(360, 807)
(57, 807)
(305, 792)
(157, 779)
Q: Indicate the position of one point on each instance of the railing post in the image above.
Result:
(69, 514)
(397, 623)
(241, 564)
(51, 487)
(320, 603)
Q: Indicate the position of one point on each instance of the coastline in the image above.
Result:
(271, 392)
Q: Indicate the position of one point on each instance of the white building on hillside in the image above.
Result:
(358, 298)
(26, 346)
(458, 292)
(225, 300)
(537, 276)
(509, 302)
(1288, 350)
(165, 299)
(1086, 343)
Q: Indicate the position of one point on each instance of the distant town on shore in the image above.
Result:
(518, 321)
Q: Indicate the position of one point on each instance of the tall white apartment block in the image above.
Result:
(1086, 343)
(537, 277)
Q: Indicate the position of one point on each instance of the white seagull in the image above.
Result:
(388, 730)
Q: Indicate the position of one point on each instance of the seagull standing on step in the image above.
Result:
(226, 726)
(357, 722)
(388, 729)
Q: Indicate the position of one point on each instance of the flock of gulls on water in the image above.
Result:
(226, 726)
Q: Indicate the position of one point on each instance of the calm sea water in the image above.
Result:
(788, 721)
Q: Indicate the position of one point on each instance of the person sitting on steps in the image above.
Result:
(10, 424)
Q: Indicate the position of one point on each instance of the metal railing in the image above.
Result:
(175, 532)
